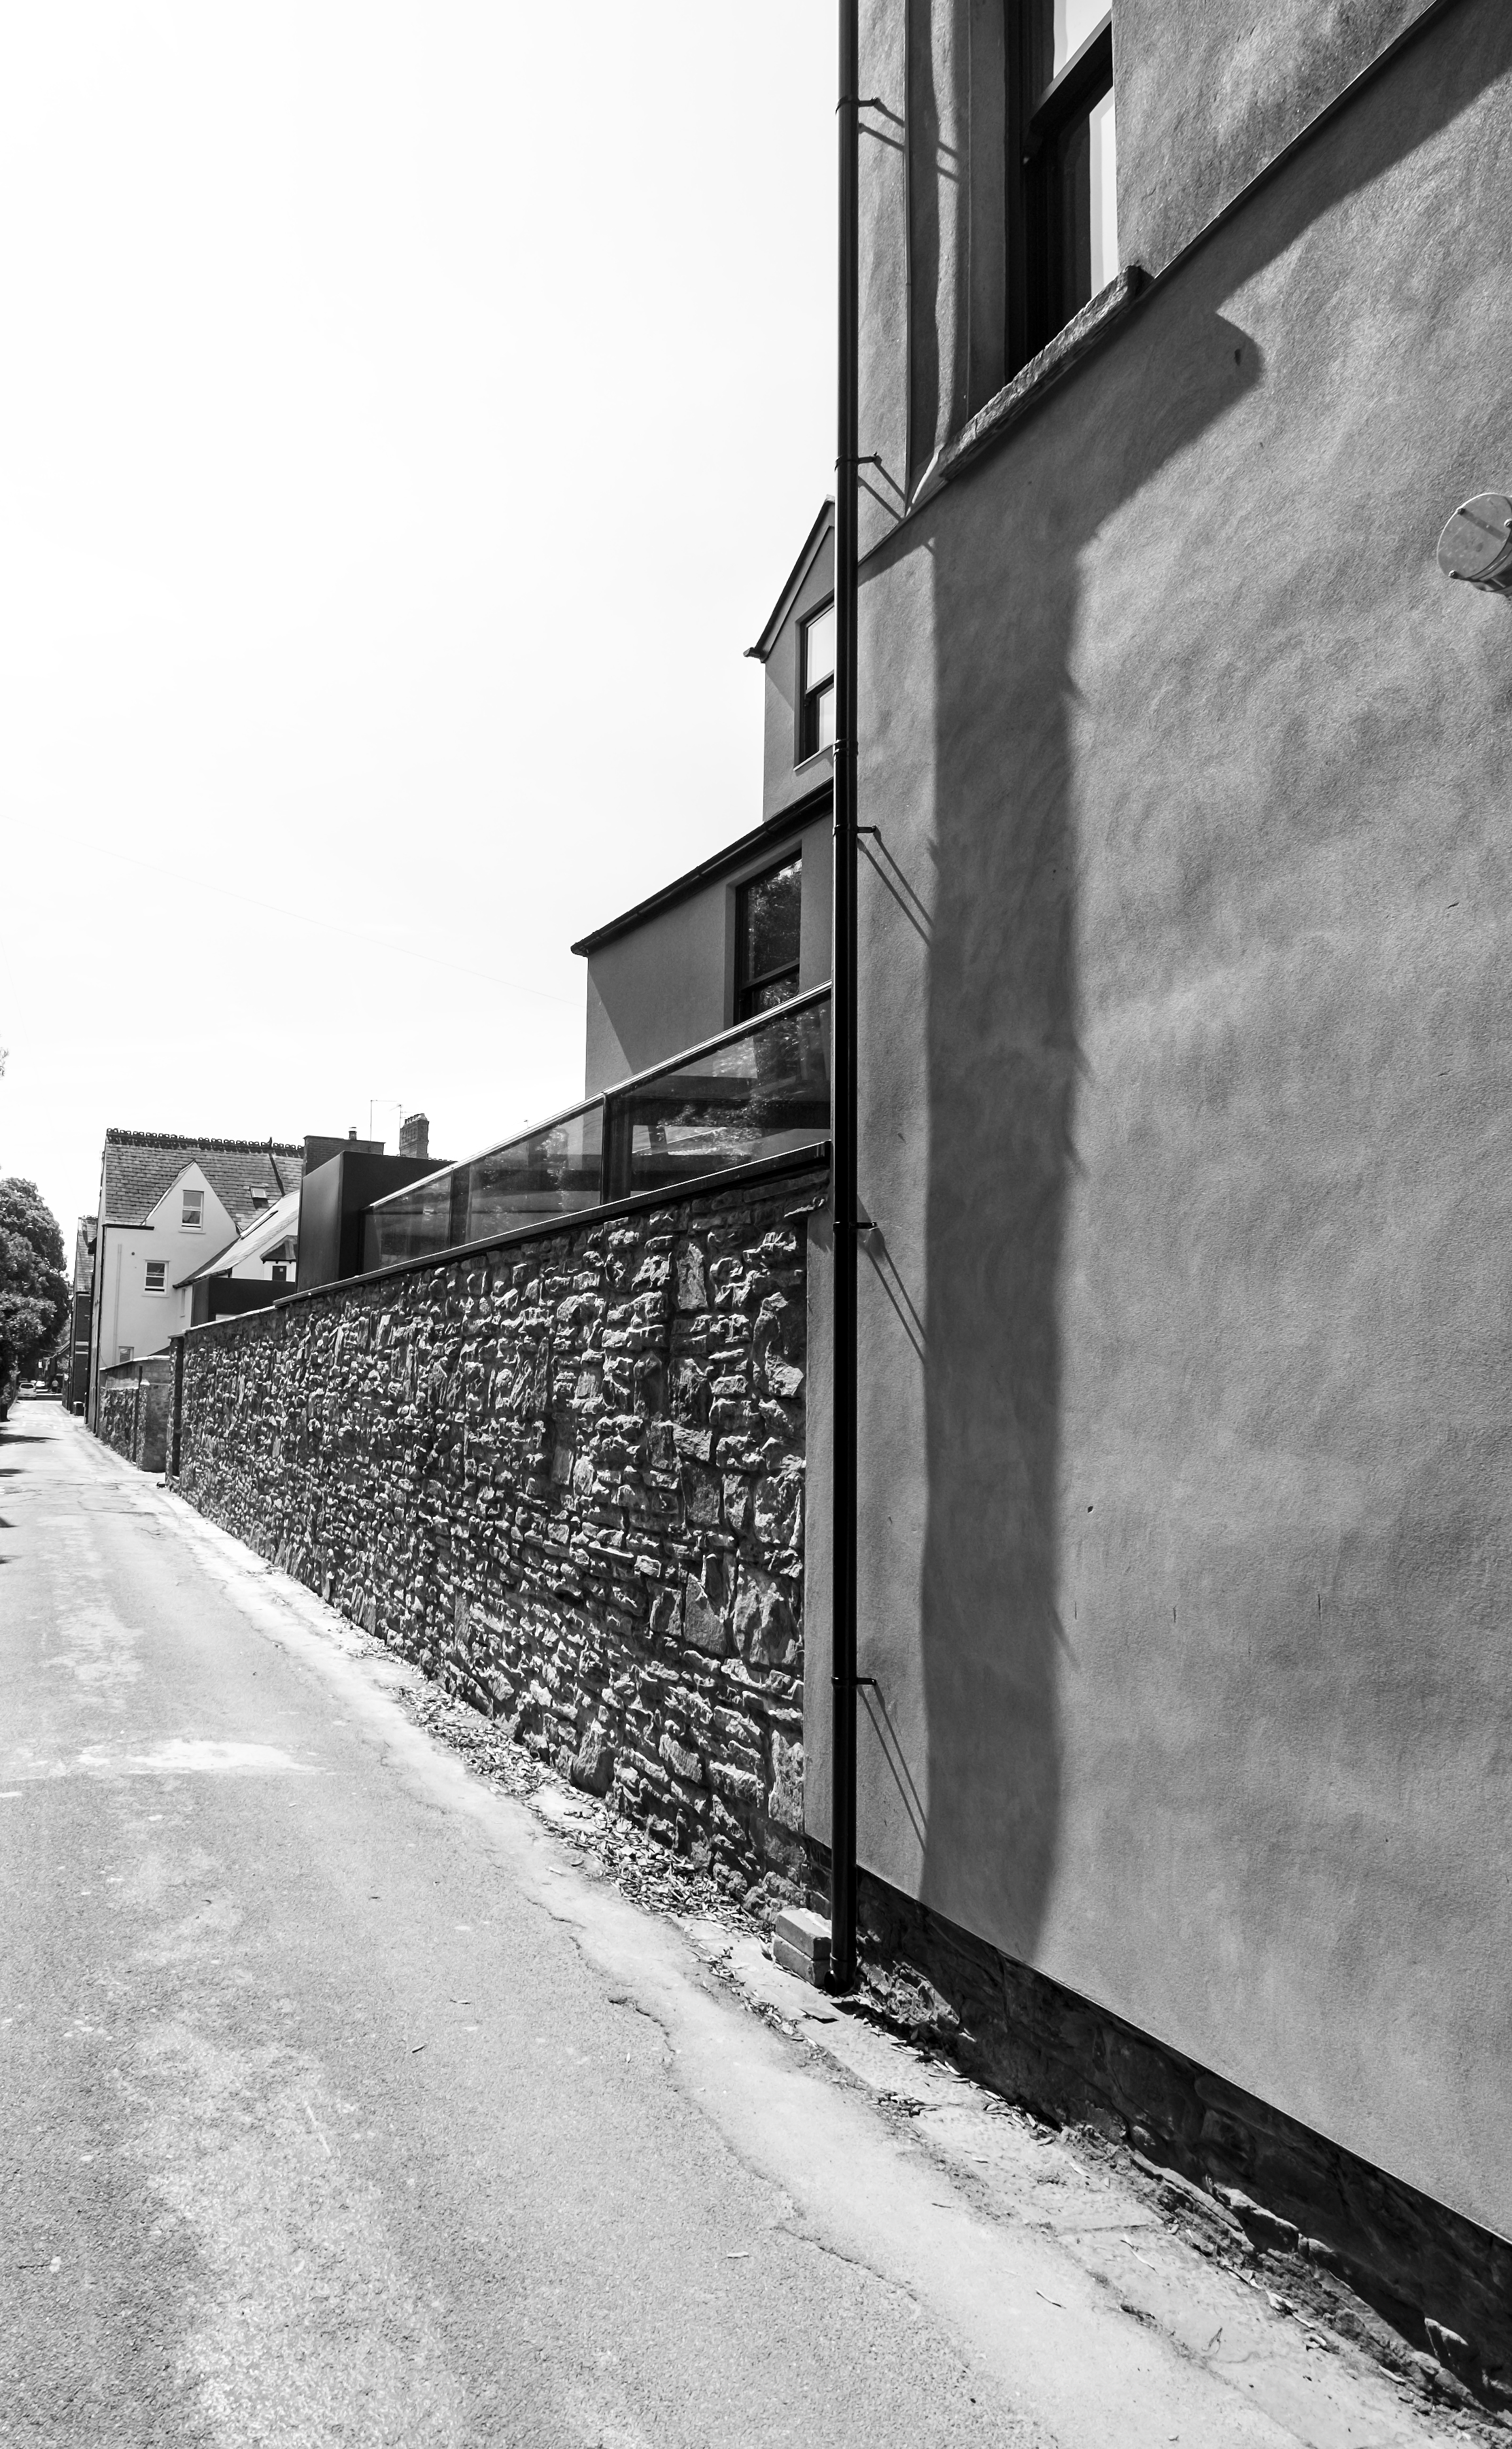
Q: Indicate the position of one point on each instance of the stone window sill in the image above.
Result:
(1085, 332)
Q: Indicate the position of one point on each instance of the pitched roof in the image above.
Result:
(795, 577)
(276, 1224)
(141, 1166)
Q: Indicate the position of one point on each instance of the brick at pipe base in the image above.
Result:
(800, 1942)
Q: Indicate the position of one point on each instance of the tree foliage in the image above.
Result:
(33, 1289)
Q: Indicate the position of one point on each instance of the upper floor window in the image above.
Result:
(156, 1275)
(1067, 243)
(768, 915)
(816, 683)
(193, 1211)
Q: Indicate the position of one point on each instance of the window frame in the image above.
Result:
(157, 1290)
(1040, 115)
(751, 985)
(188, 1224)
(808, 743)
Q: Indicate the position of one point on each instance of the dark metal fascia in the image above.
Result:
(770, 829)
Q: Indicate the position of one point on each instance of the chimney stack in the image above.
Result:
(414, 1135)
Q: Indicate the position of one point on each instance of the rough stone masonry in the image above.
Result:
(133, 1409)
(566, 1477)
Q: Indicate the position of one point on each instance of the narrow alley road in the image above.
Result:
(340, 2104)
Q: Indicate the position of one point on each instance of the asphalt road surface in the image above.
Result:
(340, 2104)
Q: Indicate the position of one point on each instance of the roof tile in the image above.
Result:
(141, 1166)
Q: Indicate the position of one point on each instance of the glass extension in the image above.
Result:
(759, 1091)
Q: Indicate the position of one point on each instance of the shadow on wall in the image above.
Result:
(921, 133)
(1004, 1056)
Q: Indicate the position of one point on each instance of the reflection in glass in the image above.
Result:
(548, 1172)
(771, 915)
(756, 1093)
(819, 648)
(1087, 184)
(413, 1225)
(752, 1096)
(1103, 201)
(816, 714)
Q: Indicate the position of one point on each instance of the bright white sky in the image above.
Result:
(410, 414)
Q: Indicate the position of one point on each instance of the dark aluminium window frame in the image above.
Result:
(1043, 114)
(749, 984)
(811, 698)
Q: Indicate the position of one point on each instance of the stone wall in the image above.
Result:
(135, 1398)
(567, 1480)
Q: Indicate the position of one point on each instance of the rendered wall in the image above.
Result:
(567, 1480)
(663, 985)
(784, 781)
(127, 1312)
(1187, 1075)
(1207, 95)
(669, 982)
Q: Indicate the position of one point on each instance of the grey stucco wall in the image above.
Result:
(887, 291)
(663, 985)
(1206, 96)
(784, 781)
(669, 982)
(1187, 1334)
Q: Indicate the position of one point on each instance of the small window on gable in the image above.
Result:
(769, 912)
(194, 1211)
(124, 1352)
(816, 683)
(156, 1275)
(1069, 215)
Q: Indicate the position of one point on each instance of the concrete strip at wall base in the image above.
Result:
(567, 1480)
(1412, 2283)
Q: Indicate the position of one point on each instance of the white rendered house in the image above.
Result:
(169, 1205)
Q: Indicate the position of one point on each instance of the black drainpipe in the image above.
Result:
(843, 1027)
